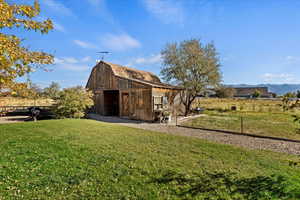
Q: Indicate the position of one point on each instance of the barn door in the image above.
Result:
(125, 104)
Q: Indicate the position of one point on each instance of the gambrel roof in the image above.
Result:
(130, 73)
(146, 78)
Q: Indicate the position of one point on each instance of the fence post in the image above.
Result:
(176, 118)
(242, 125)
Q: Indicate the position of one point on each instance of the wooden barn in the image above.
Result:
(129, 93)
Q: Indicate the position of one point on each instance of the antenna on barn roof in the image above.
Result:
(103, 53)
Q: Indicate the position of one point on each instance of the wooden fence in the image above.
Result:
(7, 109)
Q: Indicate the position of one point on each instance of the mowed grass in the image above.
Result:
(84, 159)
(260, 123)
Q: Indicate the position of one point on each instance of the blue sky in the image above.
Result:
(258, 40)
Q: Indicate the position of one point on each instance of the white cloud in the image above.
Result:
(59, 27)
(168, 11)
(58, 61)
(58, 7)
(153, 59)
(292, 59)
(279, 78)
(76, 67)
(70, 60)
(86, 59)
(85, 45)
(72, 64)
(119, 42)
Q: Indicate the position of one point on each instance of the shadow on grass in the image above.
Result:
(220, 185)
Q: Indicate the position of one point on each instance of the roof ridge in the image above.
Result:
(125, 71)
(134, 69)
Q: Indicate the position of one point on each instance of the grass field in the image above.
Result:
(260, 123)
(253, 105)
(84, 159)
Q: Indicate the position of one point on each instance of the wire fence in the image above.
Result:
(279, 125)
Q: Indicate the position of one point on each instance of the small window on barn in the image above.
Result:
(158, 102)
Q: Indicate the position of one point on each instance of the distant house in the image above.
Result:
(249, 91)
(127, 92)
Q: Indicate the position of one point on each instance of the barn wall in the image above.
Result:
(165, 93)
(99, 102)
(102, 77)
(141, 104)
(175, 105)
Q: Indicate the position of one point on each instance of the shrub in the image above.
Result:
(256, 94)
(225, 92)
(290, 95)
(73, 102)
(52, 91)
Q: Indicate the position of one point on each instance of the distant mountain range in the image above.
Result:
(279, 89)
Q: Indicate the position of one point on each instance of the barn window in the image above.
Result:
(158, 102)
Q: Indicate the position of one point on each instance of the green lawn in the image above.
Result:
(260, 123)
(84, 159)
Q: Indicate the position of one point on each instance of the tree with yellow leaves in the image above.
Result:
(16, 60)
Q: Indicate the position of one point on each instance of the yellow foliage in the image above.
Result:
(15, 60)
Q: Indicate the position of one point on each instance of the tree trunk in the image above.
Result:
(187, 110)
(187, 99)
(188, 106)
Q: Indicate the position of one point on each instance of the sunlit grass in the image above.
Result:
(261, 123)
(84, 159)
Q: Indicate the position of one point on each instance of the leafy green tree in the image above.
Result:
(16, 60)
(52, 91)
(290, 95)
(192, 65)
(256, 94)
(73, 102)
(225, 92)
(298, 94)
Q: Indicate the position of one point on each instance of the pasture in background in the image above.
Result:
(263, 117)
(253, 105)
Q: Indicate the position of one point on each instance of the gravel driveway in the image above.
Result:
(224, 138)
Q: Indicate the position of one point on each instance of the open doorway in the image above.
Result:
(111, 103)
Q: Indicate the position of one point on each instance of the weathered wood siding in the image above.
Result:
(161, 92)
(173, 96)
(135, 98)
(102, 77)
(99, 102)
(139, 103)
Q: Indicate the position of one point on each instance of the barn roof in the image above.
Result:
(140, 76)
(126, 72)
